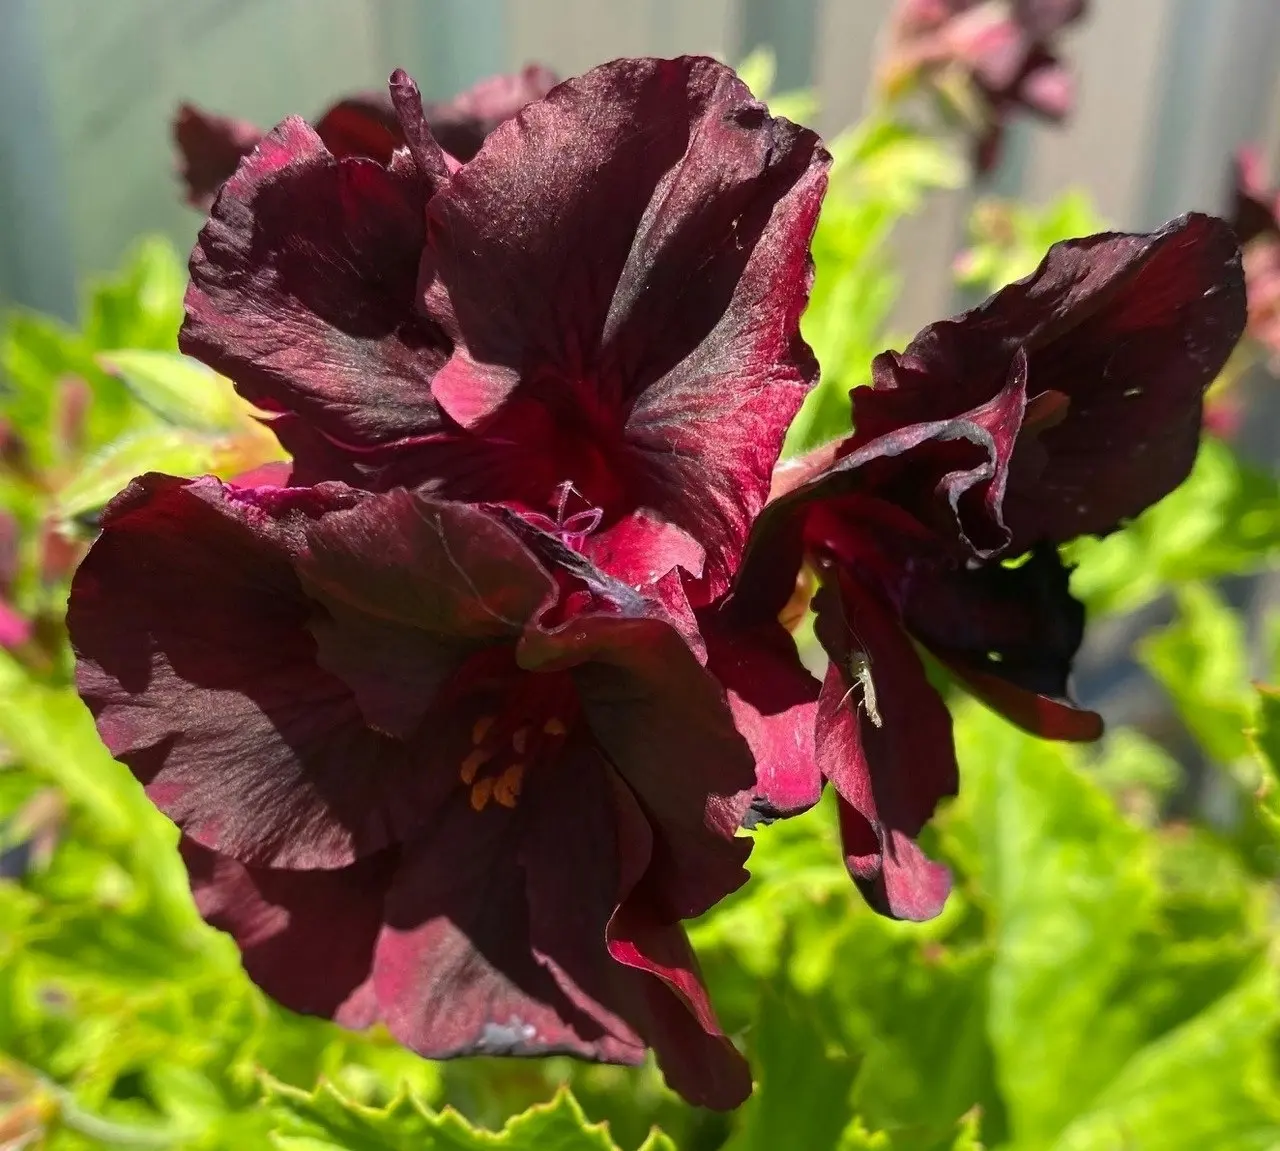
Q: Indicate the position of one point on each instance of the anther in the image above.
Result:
(481, 792)
(555, 726)
(520, 739)
(507, 788)
(481, 729)
(472, 764)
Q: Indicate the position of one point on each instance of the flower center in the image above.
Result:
(530, 726)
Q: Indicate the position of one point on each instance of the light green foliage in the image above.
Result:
(1224, 519)
(881, 173)
(1102, 977)
(1007, 240)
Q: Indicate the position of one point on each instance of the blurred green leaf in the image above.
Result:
(882, 172)
(1008, 239)
(1224, 519)
(804, 1074)
(181, 390)
(1210, 1083)
(1069, 884)
(1201, 659)
(141, 306)
(1264, 738)
(160, 449)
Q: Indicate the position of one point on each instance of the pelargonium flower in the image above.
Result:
(598, 314)
(556, 379)
(1003, 49)
(1256, 219)
(1066, 403)
(363, 124)
(431, 766)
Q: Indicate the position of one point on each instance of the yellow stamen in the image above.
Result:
(520, 739)
(507, 788)
(555, 726)
(481, 729)
(480, 793)
(472, 764)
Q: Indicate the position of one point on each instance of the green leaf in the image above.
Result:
(1210, 1083)
(1264, 739)
(1201, 659)
(1069, 883)
(969, 1136)
(179, 389)
(159, 449)
(324, 1119)
(804, 1074)
(1224, 519)
(856, 1137)
(141, 305)
(1008, 239)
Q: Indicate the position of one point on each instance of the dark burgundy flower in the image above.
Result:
(1005, 51)
(363, 124)
(431, 766)
(600, 317)
(1066, 403)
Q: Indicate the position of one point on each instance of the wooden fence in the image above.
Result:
(1168, 88)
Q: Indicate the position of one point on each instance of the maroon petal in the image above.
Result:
(411, 587)
(462, 123)
(209, 148)
(1010, 635)
(305, 937)
(195, 655)
(364, 124)
(456, 972)
(658, 975)
(884, 741)
(774, 702)
(1129, 330)
(697, 1060)
(647, 974)
(662, 166)
(664, 723)
(303, 288)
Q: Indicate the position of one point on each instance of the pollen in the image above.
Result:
(520, 739)
(473, 763)
(554, 726)
(481, 729)
(480, 793)
(506, 789)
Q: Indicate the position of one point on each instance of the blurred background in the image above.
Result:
(1166, 90)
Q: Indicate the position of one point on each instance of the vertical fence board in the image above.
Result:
(844, 57)
(1116, 57)
(37, 268)
(786, 28)
(574, 35)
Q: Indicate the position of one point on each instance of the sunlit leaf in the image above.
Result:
(325, 1119)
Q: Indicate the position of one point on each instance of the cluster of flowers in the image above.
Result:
(466, 712)
(985, 59)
